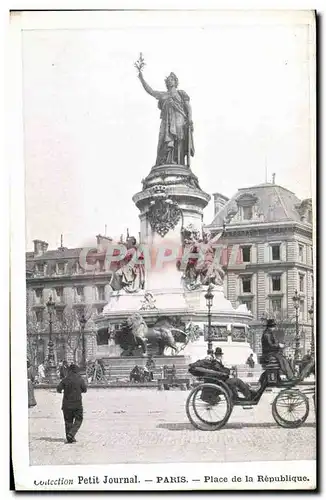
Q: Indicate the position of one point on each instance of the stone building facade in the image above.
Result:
(273, 229)
(76, 287)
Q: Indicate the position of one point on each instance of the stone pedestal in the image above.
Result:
(170, 201)
(179, 187)
(234, 353)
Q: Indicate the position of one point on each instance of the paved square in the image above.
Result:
(150, 426)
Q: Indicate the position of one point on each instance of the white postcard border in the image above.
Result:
(25, 476)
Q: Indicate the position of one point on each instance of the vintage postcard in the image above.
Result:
(162, 248)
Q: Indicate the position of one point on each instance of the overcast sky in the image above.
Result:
(91, 130)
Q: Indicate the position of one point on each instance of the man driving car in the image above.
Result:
(272, 347)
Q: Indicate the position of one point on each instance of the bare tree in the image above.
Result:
(34, 329)
(69, 330)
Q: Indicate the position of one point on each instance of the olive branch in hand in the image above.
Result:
(140, 64)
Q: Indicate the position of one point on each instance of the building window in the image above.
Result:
(276, 252)
(246, 284)
(59, 294)
(39, 316)
(301, 250)
(61, 267)
(301, 309)
(276, 283)
(312, 282)
(301, 282)
(79, 293)
(100, 292)
(276, 306)
(248, 303)
(246, 254)
(40, 268)
(247, 213)
(38, 295)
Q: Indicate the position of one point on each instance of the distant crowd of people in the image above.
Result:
(39, 374)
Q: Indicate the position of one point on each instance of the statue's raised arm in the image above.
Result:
(155, 93)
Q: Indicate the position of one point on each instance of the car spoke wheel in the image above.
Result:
(209, 406)
(290, 408)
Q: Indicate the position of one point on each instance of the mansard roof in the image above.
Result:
(270, 202)
(59, 254)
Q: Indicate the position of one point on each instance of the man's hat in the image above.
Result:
(73, 368)
(218, 351)
(270, 322)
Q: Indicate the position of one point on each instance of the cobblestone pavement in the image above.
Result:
(150, 426)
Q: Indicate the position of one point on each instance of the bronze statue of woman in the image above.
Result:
(175, 142)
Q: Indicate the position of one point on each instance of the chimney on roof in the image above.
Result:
(40, 247)
(102, 242)
(219, 202)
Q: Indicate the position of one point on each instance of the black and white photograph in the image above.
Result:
(163, 250)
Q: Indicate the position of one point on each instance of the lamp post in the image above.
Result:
(83, 321)
(312, 342)
(296, 301)
(209, 302)
(51, 366)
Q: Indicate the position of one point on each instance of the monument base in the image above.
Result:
(234, 353)
(119, 368)
(141, 301)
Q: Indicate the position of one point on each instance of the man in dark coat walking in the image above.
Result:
(73, 385)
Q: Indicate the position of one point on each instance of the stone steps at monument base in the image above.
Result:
(159, 361)
(120, 372)
(246, 369)
(124, 373)
(119, 368)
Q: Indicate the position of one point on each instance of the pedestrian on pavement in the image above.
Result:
(73, 385)
(41, 373)
(63, 369)
(30, 381)
(150, 365)
(251, 363)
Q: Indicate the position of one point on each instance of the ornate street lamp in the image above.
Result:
(296, 303)
(312, 342)
(51, 366)
(209, 302)
(83, 321)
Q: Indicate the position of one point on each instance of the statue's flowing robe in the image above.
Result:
(205, 265)
(132, 273)
(174, 130)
